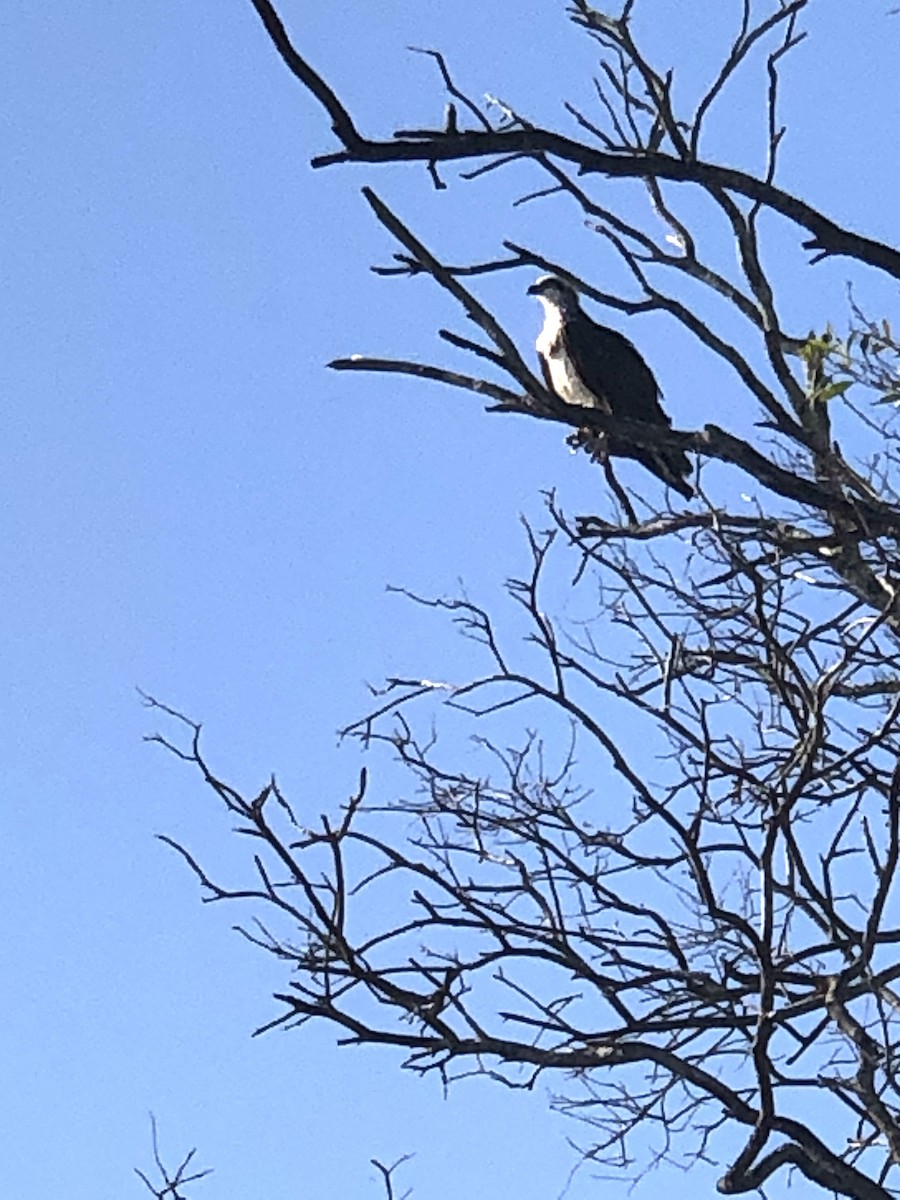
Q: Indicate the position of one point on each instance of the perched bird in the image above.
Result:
(585, 363)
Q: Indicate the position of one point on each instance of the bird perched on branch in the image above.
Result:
(584, 363)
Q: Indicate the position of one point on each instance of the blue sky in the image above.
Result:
(195, 506)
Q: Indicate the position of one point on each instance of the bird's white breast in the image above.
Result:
(550, 345)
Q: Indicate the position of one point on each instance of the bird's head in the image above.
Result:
(555, 292)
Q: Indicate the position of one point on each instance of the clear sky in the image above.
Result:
(194, 505)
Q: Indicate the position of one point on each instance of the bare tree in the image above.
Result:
(170, 1185)
(696, 941)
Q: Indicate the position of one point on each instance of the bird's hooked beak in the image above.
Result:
(554, 292)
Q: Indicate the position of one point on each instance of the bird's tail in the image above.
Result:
(671, 466)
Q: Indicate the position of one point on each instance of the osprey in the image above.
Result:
(587, 364)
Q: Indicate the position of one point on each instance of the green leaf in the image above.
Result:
(833, 389)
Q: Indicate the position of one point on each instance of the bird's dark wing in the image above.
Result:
(611, 368)
(609, 364)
